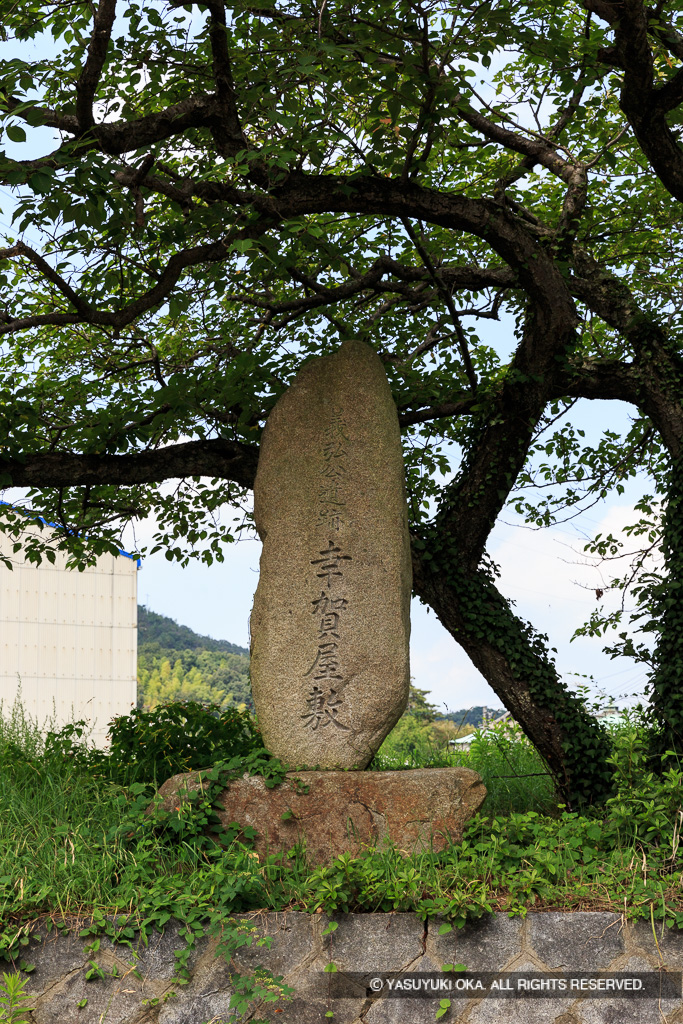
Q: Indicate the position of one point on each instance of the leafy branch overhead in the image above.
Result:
(204, 195)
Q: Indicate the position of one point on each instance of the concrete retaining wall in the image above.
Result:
(144, 991)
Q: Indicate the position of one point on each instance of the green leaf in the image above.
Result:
(15, 133)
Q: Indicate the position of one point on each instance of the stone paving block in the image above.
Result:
(156, 960)
(669, 941)
(292, 948)
(640, 1011)
(54, 957)
(112, 1000)
(374, 942)
(363, 944)
(207, 995)
(293, 943)
(409, 1011)
(57, 956)
(520, 1011)
(580, 941)
(292, 955)
(207, 1009)
(627, 1010)
(310, 1003)
(421, 1010)
(486, 944)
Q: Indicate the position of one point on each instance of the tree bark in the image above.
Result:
(516, 664)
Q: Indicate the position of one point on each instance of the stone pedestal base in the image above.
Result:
(335, 812)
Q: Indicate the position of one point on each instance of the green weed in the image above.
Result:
(514, 774)
(14, 1002)
(151, 746)
(74, 842)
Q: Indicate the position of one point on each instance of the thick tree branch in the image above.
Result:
(305, 194)
(235, 461)
(50, 118)
(26, 323)
(573, 206)
(670, 94)
(227, 460)
(227, 132)
(606, 295)
(302, 194)
(538, 151)
(119, 137)
(608, 380)
(471, 504)
(84, 309)
(87, 83)
(436, 412)
(654, 380)
(644, 106)
(175, 267)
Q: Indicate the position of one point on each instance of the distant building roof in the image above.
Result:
(612, 716)
(55, 526)
(464, 741)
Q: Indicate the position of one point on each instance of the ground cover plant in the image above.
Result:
(75, 843)
(15, 1004)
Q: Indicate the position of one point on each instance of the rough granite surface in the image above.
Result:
(337, 812)
(330, 624)
(138, 984)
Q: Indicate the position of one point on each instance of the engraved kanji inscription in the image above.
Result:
(331, 500)
(324, 700)
(322, 709)
(330, 565)
(327, 662)
(330, 621)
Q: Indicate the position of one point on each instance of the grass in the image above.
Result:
(514, 774)
(74, 842)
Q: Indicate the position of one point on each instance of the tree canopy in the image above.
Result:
(233, 188)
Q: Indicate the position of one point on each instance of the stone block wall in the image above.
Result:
(144, 991)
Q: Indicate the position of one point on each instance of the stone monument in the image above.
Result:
(330, 629)
(330, 624)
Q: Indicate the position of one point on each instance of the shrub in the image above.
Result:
(151, 746)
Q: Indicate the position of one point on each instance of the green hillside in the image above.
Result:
(167, 634)
(473, 716)
(175, 663)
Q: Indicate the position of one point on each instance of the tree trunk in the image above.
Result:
(516, 664)
(667, 620)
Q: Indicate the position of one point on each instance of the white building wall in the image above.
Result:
(69, 638)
